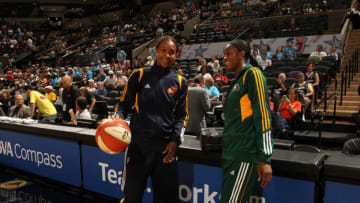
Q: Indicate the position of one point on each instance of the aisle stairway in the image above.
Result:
(352, 43)
(351, 101)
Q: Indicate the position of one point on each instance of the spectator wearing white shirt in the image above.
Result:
(81, 111)
(110, 80)
(29, 42)
(318, 52)
(264, 62)
(13, 42)
(211, 63)
(256, 55)
(216, 67)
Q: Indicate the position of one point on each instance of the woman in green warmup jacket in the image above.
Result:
(247, 141)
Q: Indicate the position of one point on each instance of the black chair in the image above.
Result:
(224, 88)
(290, 81)
(293, 74)
(352, 146)
(271, 82)
(113, 94)
(323, 69)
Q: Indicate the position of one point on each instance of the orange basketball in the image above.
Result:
(113, 136)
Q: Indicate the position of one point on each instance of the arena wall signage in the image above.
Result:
(305, 44)
(47, 157)
(197, 183)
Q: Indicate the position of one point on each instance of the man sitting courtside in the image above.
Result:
(19, 110)
(81, 111)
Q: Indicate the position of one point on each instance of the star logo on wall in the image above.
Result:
(337, 43)
(200, 51)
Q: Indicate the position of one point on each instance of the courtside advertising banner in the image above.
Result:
(48, 157)
(339, 192)
(103, 173)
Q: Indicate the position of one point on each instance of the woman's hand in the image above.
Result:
(170, 152)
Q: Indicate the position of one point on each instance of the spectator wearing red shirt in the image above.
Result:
(221, 79)
(9, 75)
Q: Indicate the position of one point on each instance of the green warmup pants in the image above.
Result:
(238, 181)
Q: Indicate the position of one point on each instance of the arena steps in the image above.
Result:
(339, 113)
(351, 101)
(353, 42)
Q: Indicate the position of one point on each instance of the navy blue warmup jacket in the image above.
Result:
(157, 98)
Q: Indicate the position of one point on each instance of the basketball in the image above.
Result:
(113, 136)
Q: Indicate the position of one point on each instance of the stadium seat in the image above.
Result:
(352, 146)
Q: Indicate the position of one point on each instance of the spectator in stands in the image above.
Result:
(255, 47)
(101, 77)
(279, 53)
(292, 25)
(256, 56)
(6, 100)
(127, 66)
(93, 67)
(150, 62)
(101, 91)
(204, 72)
(9, 75)
(333, 53)
(70, 93)
(211, 63)
(55, 80)
(19, 110)
(76, 71)
(221, 79)
(319, 52)
(90, 97)
(264, 62)
(46, 108)
(98, 65)
(291, 49)
(91, 86)
(50, 95)
(121, 79)
(137, 64)
(281, 88)
(288, 108)
(216, 67)
(212, 91)
(312, 77)
(81, 111)
(88, 73)
(304, 88)
(268, 52)
(121, 55)
(201, 63)
(198, 104)
(110, 80)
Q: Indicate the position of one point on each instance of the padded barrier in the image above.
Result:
(343, 168)
(210, 140)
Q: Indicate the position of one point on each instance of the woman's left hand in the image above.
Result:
(170, 152)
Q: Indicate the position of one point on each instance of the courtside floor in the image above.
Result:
(19, 187)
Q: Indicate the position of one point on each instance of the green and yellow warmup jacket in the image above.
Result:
(247, 131)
